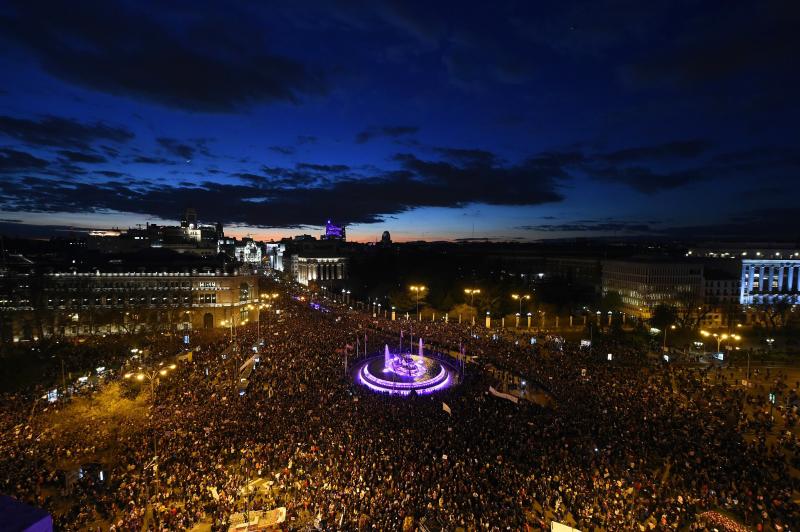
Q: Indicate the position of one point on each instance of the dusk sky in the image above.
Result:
(433, 120)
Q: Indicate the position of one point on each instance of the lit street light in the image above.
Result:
(417, 289)
(152, 377)
(721, 337)
(519, 298)
(471, 293)
(665, 335)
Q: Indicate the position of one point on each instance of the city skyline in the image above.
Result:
(435, 123)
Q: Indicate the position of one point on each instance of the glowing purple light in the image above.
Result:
(420, 374)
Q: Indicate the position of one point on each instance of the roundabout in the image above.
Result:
(404, 373)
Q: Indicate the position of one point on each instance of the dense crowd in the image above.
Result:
(628, 444)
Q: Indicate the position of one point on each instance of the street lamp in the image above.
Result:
(417, 289)
(665, 335)
(721, 337)
(519, 298)
(152, 377)
(471, 293)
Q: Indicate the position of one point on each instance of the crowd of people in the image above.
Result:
(626, 444)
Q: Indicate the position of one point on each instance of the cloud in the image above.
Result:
(15, 161)
(384, 131)
(589, 226)
(142, 51)
(654, 168)
(109, 173)
(305, 194)
(82, 157)
(326, 168)
(147, 159)
(60, 132)
(184, 149)
(283, 150)
(659, 152)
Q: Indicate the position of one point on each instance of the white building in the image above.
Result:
(767, 281)
(325, 270)
(247, 251)
(275, 253)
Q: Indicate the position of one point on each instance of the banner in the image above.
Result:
(249, 362)
(503, 395)
(447, 409)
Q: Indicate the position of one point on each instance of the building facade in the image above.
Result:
(325, 270)
(645, 284)
(81, 303)
(767, 281)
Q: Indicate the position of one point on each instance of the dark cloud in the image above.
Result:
(384, 131)
(60, 132)
(19, 161)
(590, 226)
(109, 173)
(184, 149)
(647, 180)
(306, 139)
(325, 168)
(283, 150)
(469, 156)
(668, 151)
(650, 169)
(136, 49)
(304, 194)
(147, 159)
(82, 157)
(748, 224)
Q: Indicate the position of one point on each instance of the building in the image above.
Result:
(36, 304)
(275, 253)
(189, 237)
(334, 232)
(646, 283)
(721, 298)
(325, 270)
(767, 281)
(247, 251)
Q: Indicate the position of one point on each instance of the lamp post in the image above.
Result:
(151, 377)
(665, 336)
(471, 293)
(417, 289)
(721, 337)
(520, 298)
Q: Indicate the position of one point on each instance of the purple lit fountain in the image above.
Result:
(402, 373)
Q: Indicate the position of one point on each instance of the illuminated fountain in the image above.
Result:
(404, 373)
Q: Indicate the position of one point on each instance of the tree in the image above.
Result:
(465, 310)
(691, 310)
(663, 316)
(776, 313)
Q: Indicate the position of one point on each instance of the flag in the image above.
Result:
(446, 408)
(503, 395)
